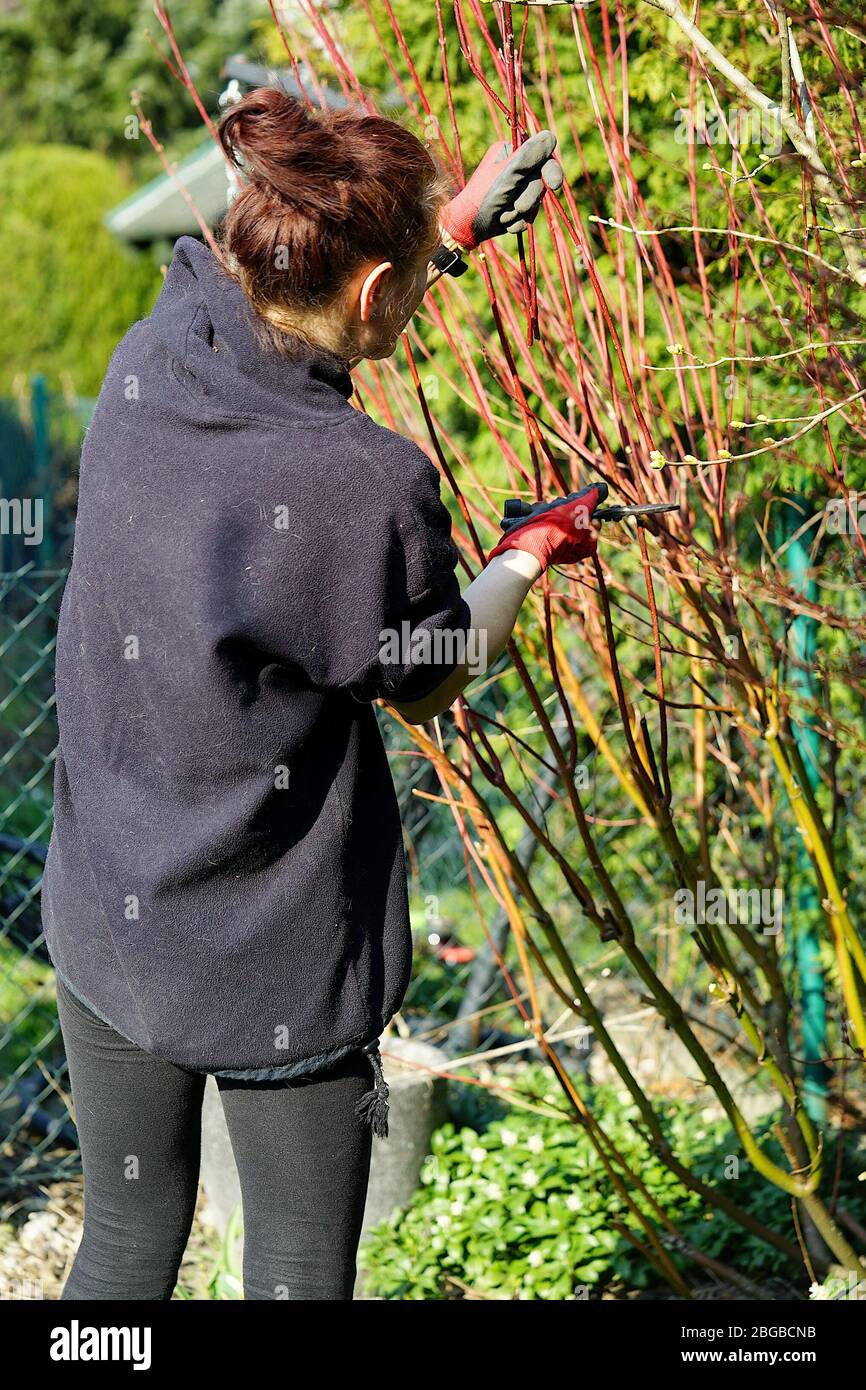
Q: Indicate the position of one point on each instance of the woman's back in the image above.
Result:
(239, 903)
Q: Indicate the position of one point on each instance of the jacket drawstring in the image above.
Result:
(373, 1105)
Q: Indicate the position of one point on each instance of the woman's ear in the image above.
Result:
(372, 288)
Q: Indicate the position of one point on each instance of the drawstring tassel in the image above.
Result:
(373, 1106)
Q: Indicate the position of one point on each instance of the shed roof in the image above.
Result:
(159, 209)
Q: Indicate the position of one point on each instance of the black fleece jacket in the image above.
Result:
(225, 882)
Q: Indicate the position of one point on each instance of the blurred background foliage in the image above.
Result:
(67, 68)
(68, 289)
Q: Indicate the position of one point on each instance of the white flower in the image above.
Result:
(38, 1227)
(478, 1154)
(536, 1258)
(443, 1219)
(458, 1208)
(574, 1202)
(508, 1137)
(529, 1178)
(494, 1191)
(535, 1143)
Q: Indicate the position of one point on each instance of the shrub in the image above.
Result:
(521, 1206)
(68, 289)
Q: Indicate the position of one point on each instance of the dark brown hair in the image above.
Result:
(322, 193)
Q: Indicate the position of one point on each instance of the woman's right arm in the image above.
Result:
(494, 600)
(562, 533)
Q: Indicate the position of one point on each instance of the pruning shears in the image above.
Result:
(515, 509)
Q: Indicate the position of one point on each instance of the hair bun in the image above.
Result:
(276, 141)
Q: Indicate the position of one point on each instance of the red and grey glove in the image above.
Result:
(558, 532)
(505, 192)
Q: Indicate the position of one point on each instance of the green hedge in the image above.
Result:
(68, 288)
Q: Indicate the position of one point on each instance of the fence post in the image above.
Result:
(792, 514)
(42, 462)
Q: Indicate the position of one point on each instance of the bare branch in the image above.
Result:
(803, 140)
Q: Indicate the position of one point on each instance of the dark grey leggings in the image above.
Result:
(303, 1157)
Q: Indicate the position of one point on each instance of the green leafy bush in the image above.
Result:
(521, 1206)
(68, 289)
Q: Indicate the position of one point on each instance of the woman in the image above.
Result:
(225, 890)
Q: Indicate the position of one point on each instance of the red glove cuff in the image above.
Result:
(458, 217)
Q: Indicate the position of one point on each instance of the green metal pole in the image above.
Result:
(791, 515)
(42, 462)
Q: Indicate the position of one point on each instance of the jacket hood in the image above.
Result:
(208, 326)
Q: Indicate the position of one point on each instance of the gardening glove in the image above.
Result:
(558, 532)
(505, 192)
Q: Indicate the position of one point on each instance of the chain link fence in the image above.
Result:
(37, 1139)
(34, 1122)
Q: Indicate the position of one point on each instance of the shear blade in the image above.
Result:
(649, 509)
